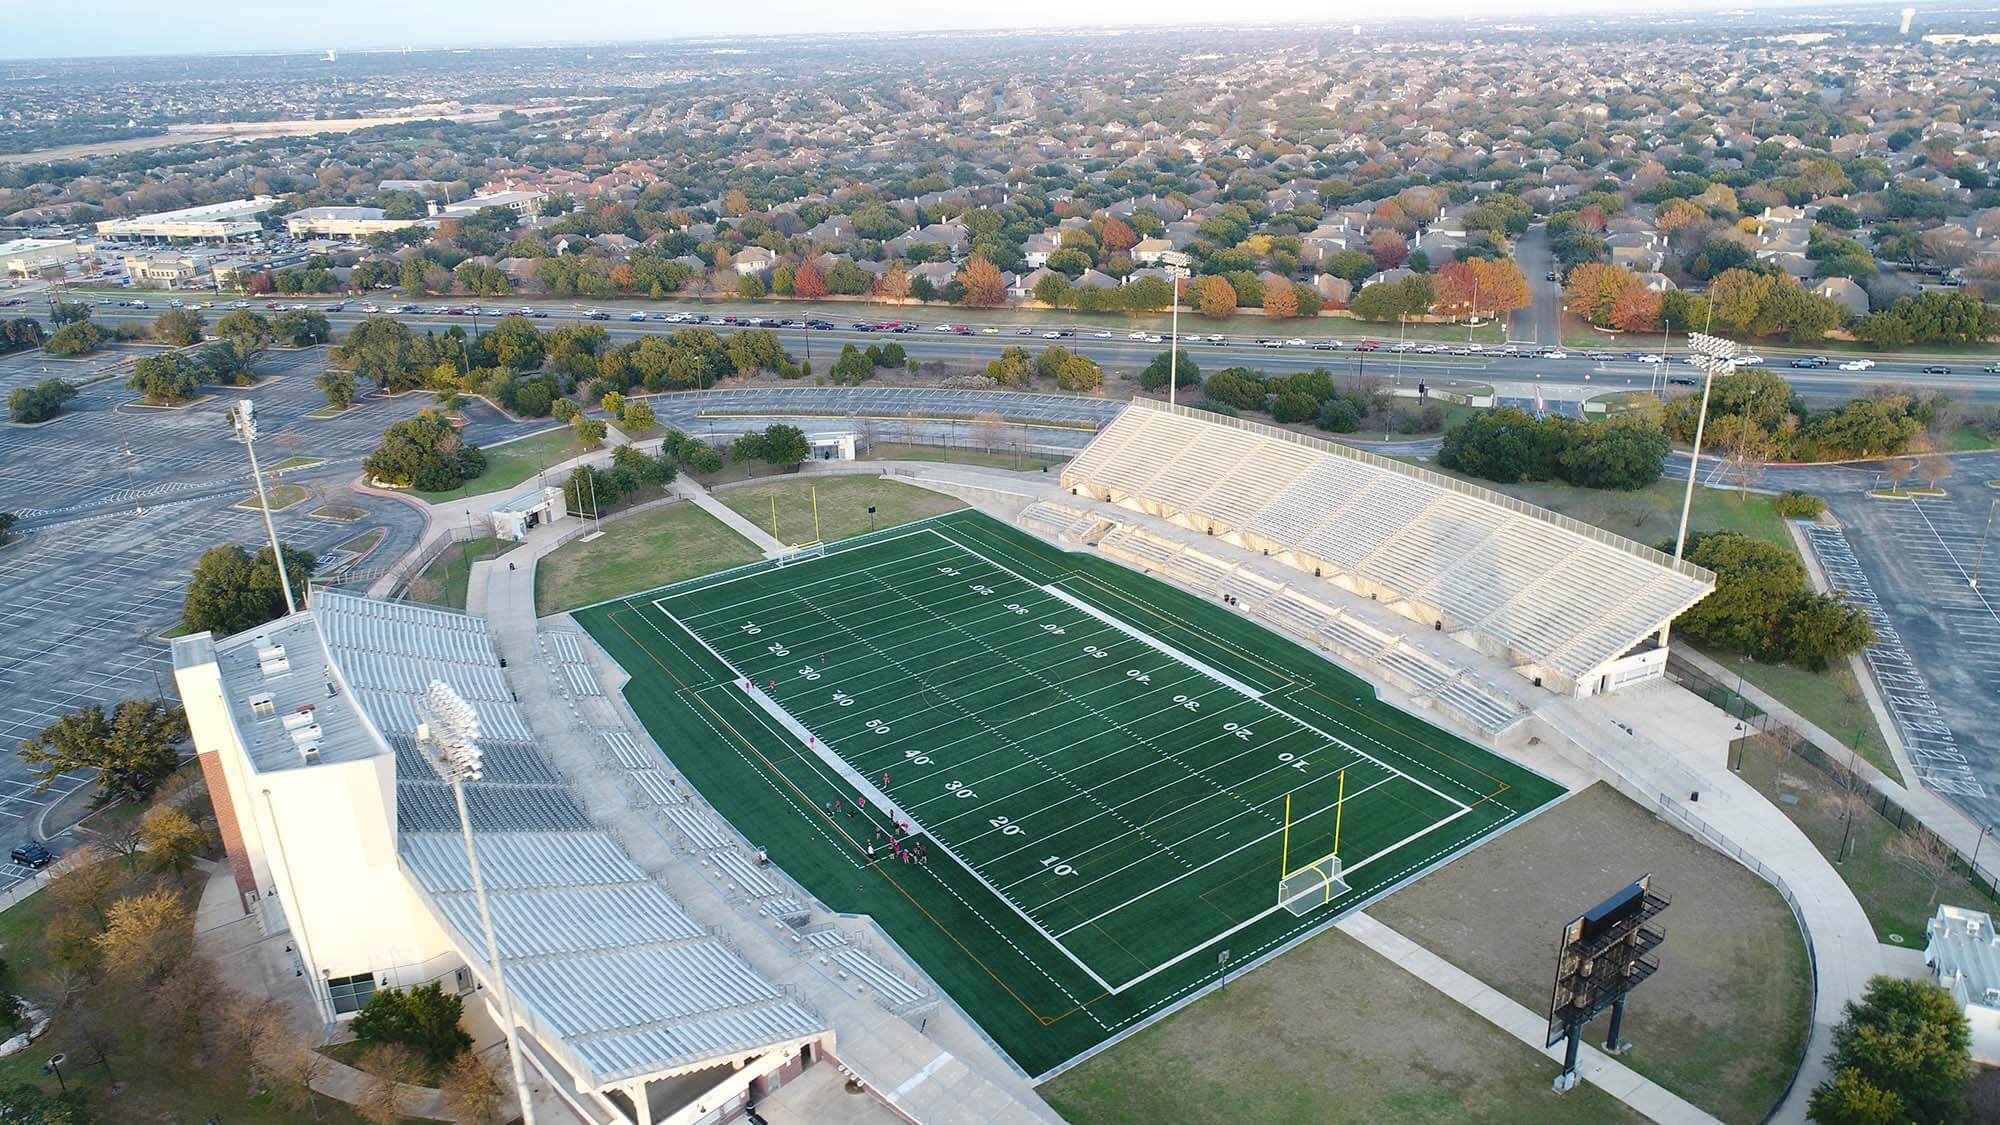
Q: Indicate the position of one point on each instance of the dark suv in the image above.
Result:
(33, 855)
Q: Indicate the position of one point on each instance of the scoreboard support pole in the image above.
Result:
(1566, 1081)
(1614, 1042)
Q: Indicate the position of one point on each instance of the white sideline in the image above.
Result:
(1216, 674)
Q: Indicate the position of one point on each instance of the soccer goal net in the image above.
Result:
(799, 552)
(1312, 886)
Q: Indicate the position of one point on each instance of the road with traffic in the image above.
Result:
(1440, 365)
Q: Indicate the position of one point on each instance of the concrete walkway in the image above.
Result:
(948, 1072)
(1667, 748)
(701, 498)
(1596, 1067)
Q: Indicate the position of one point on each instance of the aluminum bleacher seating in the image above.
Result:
(1559, 596)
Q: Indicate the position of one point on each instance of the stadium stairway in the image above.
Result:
(949, 1072)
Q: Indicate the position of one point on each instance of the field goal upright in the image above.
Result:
(1317, 882)
(806, 549)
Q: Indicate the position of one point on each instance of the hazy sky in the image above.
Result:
(45, 28)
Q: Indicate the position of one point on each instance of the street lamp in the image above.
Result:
(1176, 264)
(448, 735)
(1981, 559)
(245, 420)
(1711, 354)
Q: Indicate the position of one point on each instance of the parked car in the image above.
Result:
(32, 855)
(1551, 276)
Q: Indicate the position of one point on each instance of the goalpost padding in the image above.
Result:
(800, 552)
(1312, 886)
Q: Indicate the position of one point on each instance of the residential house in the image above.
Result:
(1150, 250)
(1845, 291)
(1037, 249)
(1333, 290)
(1024, 284)
(753, 260)
(1091, 279)
(939, 274)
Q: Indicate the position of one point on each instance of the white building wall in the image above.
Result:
(1985, 1023)
(322, 840)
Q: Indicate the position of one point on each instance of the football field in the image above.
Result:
(1091, 770)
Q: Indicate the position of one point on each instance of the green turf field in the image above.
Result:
(1098, 765)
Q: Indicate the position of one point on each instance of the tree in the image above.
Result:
(1594, 288)
(1217, 297)
(339, 387)
(1624, 455)
(148, 936)
(1279, 302)
(1907, 1039)
(1637, 309)
(590, 431)
(1388, 249)
(473, 1092)
(785, 445)
(384, 351)
(69, 312)
(27, 1102)
(246, 327)
(1052, 289)
(1185, 371)
(7, 521)
(809, 283)
(425, 1019)
(637, 417)
(171, 838)
(1933, 468)
(168, 378)
(80, 338)
(1738, 297)
(231, 591)
(178, 327)
(424, 452)
(132, 750)
(1457, 287)
(389, 1067)
(38, 403)
(1849, 1099)
(225, 363)
(984, 287)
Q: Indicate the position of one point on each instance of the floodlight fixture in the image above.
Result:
(1713, 355)
(448, 735)
(244, 418)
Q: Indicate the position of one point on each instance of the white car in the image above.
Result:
(941, 328)
(1991, 369)
(1855, 365)
(1295, 342)
(1102, 333)
(1139, 335)
(1475, 348)
(1215, 337)
(1649, 359)
(1754, 360)
(1051, 335)
(1156, 339)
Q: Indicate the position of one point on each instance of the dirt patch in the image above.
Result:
(1331, 1031)
(1724, 1021)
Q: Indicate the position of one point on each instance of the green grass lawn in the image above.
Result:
(1967, 439)
(281, 496)
(1269, 1048)
(1128, 802)
(294, 463)
(1895, 891)
(365, 541)
(513, 462)
(444, 581)
(654, 547)
(1832, 700)
(843, 505)
(1651, 515)
(1724, 1022)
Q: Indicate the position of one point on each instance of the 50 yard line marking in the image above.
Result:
(837, 613)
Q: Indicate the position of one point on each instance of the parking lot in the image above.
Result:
(1910, 563)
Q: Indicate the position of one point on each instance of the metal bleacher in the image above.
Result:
(1557, 597)
(594, 947)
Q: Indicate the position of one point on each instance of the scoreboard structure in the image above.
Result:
(1603, 954)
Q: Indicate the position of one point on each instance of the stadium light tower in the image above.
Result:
(1177, 270)
(449, 738)
(245, 420)
(1712, 354)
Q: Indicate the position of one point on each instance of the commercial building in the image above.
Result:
(213, 221)
(345, 222)
(165, 271)
(341, 834)
(1964, 952)
(520, 202)
(37, 257)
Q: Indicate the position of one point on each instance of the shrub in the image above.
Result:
(40, 402)
(1795, 505)
(424, 1019)
(1291, 406)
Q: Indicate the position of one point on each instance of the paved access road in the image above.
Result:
(1112, 345)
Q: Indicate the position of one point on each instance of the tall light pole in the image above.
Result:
(1711, 354)
(1177, 269)
(449, 738)
(245, 420)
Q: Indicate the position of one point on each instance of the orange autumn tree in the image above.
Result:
(984, 286)
(1502, 286)
(1637, 310)
(810, 283)
(1218, 297)
(1594, 287)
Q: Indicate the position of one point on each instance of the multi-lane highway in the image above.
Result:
(1124, 344)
